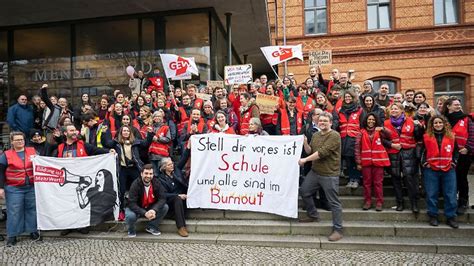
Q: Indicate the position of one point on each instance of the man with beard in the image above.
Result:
(382, 97)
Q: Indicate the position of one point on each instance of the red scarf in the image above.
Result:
(150, 199)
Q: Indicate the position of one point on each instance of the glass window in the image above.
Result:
(378, 14)
(450, 86)
(392, 85)
(446, 11)
(179, 40)
(103, 51)
(4, 101)
(315, 16)
(41, 55)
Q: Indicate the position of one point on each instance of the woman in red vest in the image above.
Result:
(438, 162)
(463, 128)
(248, 109)
(304, 103)
(401, 151)
(349, 127)
(221, 125)
(371, 157)
(161, 145)
(16, 186)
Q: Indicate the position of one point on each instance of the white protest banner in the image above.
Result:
(238, 74)
(251, 173)
(215, 83)
(323, 57)
(175, 65)
(75, 192)
(278, 54)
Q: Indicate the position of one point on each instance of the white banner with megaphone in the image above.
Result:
(75, 192)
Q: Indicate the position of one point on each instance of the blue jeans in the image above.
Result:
(354, 174)
(433, 179)
(131, 218)
(21, 210)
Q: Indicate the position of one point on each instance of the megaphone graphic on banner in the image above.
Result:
(75, 179)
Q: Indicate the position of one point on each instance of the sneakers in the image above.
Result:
(452, 222)
(121, 216)
(349, 185)
(366, 206)
(352, 184)
(131, 233)
(182, 231)
(153, 231)
(36, 236)
(335, 236)
(11, 241)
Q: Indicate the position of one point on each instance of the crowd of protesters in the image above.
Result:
(362, 132)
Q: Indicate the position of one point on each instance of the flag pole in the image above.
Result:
(276, 74)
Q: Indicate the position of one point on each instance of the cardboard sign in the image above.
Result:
(238, 74)
(247, 173)
(215, 83)
(323, 57)
(266, 103)
(204, 96)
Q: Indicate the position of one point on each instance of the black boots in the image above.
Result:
(414, 207)
(399, 206)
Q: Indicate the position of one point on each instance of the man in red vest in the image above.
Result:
(73, 147)
(146, 199)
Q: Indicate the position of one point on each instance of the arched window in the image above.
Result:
(392, 84)
(452, 85)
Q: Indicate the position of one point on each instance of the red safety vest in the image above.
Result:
(80, 149)
(198, 103)
(18, 169)
(200, 127)
(230, 130)
(439, 159)
(285, 122)
(304, 108)
(406, 138)
(350, 127)
(158, 147)
(372, 151)
(460, 130)
(269, 119)
(245, 120)
(184, 120)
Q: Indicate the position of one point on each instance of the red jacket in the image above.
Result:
(372, 150)
(439, 158)
(350, 126)
(406, 138)
(18, 169)
(461, 132)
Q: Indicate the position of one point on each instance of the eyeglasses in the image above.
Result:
(18, 140)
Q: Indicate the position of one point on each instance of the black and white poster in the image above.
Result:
(75, 192)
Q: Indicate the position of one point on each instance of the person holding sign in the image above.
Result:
(325, 150)
(16, 187)
(195, 125)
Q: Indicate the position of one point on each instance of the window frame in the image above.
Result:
(387, 79)
(466, 104)
(315, 8)
(457, 14)
(390, 15)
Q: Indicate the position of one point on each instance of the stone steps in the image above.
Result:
(358, 201)
(399, 244)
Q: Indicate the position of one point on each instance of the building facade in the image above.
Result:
(425, 45)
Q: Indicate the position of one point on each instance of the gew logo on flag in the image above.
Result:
(278, 54)
(181, 65)
(283, 53)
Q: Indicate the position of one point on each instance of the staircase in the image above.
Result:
(388, 230)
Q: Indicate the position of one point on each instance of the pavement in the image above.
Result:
(54, 251)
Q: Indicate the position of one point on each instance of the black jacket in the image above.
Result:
(136, 147)
(173, 186)
(135, 196)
